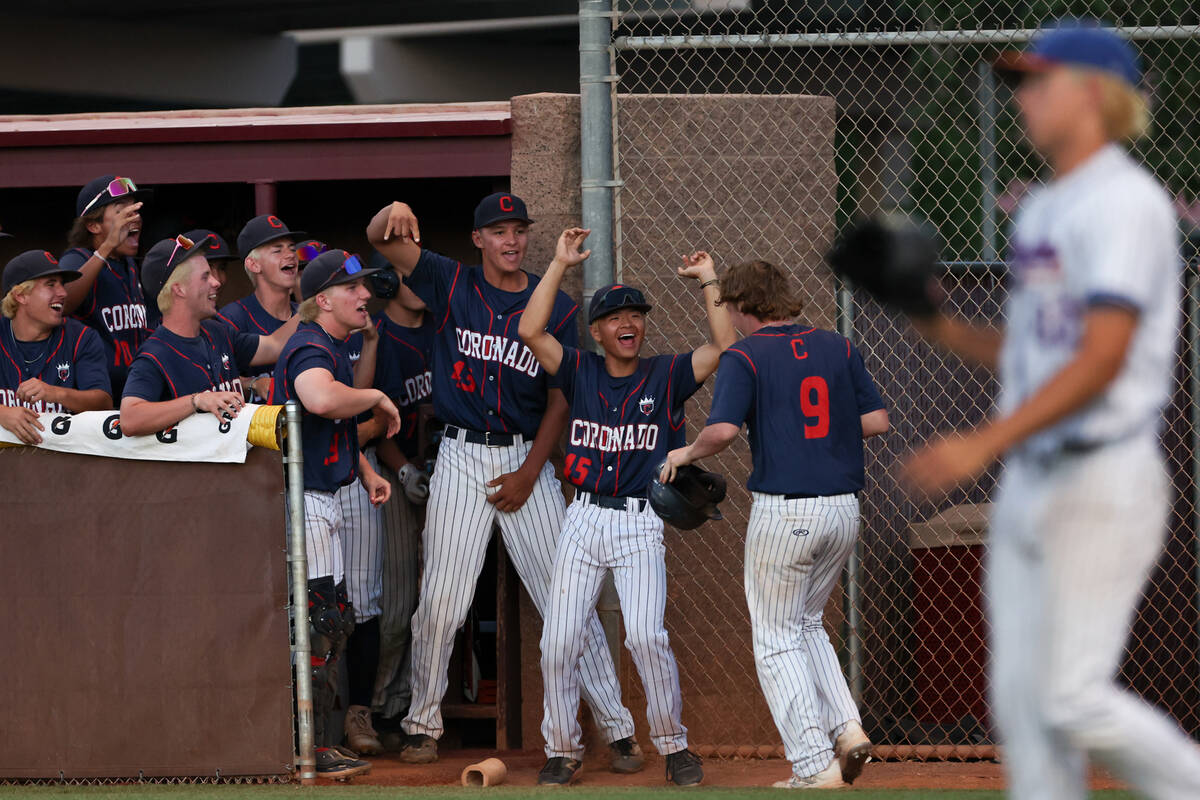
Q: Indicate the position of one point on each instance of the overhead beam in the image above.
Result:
(144, 61)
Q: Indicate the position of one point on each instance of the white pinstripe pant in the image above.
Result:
(629, 542)
(322, 534)
(795, 552)
(457, 530)
(402, 522)
(362, 546)
(1071, 547)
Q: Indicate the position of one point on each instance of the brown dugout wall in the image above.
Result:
(148, 621)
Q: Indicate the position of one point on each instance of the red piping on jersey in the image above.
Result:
(398, 340)
(163, 369)
(566, 318)
(499, 364)
(670, 390)
(600, 466)
(13, 360)
(251, 318)
(847, 348)
(207, 374)
(745, 356)
(78, 341)
(450, 295)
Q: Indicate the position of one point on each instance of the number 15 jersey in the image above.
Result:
(801, 392)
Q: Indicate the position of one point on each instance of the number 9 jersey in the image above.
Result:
(801, 391)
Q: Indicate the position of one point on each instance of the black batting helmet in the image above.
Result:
(690, 500)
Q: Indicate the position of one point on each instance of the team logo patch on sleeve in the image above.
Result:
(646, 405)
(64, 370)
(224, 360)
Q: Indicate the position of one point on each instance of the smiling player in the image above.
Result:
(191, 363)
(315, 369)
(108, 297)
(50, 363)
(626, 413)
(503, 419)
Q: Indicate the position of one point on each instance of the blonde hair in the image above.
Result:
(309, 310)
(180, 274)
(1124, 109)
(9, 305)
(256, 253)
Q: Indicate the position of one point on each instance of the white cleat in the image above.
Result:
(853, 751)
(828, 778)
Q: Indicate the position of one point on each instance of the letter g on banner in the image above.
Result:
(60, 425)
(112, 426)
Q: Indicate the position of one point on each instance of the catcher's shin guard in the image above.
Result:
(329, 630)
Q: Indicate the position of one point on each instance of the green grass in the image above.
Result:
(349, 792)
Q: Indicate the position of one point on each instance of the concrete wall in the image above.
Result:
(743, 177)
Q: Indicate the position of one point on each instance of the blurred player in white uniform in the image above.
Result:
(1085, 365)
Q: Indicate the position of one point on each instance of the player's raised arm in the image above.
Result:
(395, 234)
(532, 329)
(269, 347)
(699, 266)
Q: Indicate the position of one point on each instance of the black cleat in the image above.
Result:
(559, 771)
(332, 763)
(683, 768)
(627, 756)
(419, 749)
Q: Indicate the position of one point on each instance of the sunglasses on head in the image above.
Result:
(117, 187)
(181, 242)
(308, 252)
(351, 266)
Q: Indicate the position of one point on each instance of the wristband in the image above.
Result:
(710, 282)
(195, 408)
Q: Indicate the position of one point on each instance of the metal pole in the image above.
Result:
(298, 560)
(1192, 277)
(845, 326)
(596, 81)
(987, 157)
(596, 146)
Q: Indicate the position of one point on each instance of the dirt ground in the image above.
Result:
(522, 771)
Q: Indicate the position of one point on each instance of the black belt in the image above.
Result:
(489, 438)
(607, 501)
(798, 496)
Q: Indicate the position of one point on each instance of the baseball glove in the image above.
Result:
(894, 259)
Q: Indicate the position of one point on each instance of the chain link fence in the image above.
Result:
(921, 125)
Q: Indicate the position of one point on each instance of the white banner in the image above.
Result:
(98, 433)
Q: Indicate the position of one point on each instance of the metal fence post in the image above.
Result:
(845, 326)
(596, 81)
(298, 561)
(987, 158)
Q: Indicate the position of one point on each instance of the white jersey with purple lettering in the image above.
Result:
(1080, 513)
(1105, 234)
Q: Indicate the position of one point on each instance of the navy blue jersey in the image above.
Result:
(115, 308)
(622, 428)
(73, 357)
(249, 316)
(330, 445)
(170, 365)
(402, 372)
(801, 391)
(484, 377)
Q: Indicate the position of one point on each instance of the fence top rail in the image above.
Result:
(877, 38)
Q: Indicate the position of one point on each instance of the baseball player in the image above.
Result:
(191, 362)
(219, 256)
(51, 363)
(315, 369)
(1085, 364)
(502, 422)
(108, 298)
(391, 559)
(809, 403)
(626, 412)
(268, 252)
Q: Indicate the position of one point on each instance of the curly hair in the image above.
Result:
(79, 235)
(761, 289)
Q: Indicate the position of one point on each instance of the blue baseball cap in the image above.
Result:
(1076, 43)
(162, 259)
(106, 190)
(34, 264)
(614, 298)
(498, 207)
(217, 248)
